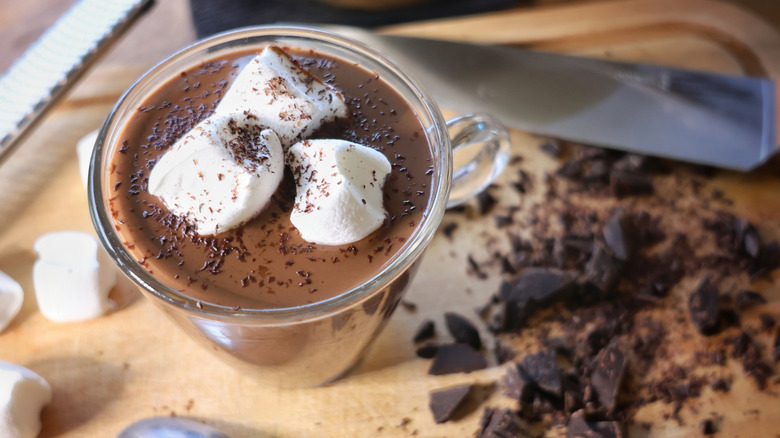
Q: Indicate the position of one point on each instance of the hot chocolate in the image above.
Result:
(265, 263)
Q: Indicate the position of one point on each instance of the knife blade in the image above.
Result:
(706, 118)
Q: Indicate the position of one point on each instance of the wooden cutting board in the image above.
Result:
(133, 363)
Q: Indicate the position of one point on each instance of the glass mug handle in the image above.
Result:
(480, 152)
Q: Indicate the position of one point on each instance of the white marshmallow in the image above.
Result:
(11, 299)
(84, 148)
(219, 175)
(72, 276)
(278, 94)
(23, 394)
(339, 190)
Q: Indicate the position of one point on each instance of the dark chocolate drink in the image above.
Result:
(265, 263)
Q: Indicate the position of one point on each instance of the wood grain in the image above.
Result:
(133, 363)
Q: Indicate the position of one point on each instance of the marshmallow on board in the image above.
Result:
(23, 394)
(11, 299)
(84, 148)
(72, 276)
(275, 92)
(220, 174)
(339, 190)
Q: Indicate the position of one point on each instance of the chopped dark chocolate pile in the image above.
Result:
(456, 358)
(502, 423)
(462, 330)
(426, 331)
(444, 403)
(607, 377)
(703, 307)
(579, 427)
(592, 280)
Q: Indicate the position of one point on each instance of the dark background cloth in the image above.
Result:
(212, 16)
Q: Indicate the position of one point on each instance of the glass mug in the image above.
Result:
(315, 343)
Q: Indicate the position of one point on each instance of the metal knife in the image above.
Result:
(714, 119)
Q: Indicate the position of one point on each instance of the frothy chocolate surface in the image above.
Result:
(265, 263)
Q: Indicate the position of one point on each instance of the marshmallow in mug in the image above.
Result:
(11, 299)
(275, 92)
(220, 174)
(339, 190)
(72, 276)
(23, 394)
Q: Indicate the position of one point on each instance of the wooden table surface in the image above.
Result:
(133, 363)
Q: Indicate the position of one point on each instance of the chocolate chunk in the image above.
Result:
(518, 384)
(703, 307)
(409, 306)
(616, 235)
(630, 163)
(767, 321)
(630, 184)
(507, 317)
(542, 369)
(571, 169)
(747, 238)
(485, 202)
(601, 270)
(503, 353)
(428, 351)
(573, 395)
(462, 330)
(456, 358)
(598, 338)
(647, 229)
(756, 368)
(770, 256)
(502, 423)
(445, 402)
(749, 298)
(426, 331)
(540, 285)
(721, 384)
(551, 147)
(776, 346)
(742, 343)
(449, 229)
(707, 427)
(607, 377)
(579, 427)
(596, 171)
